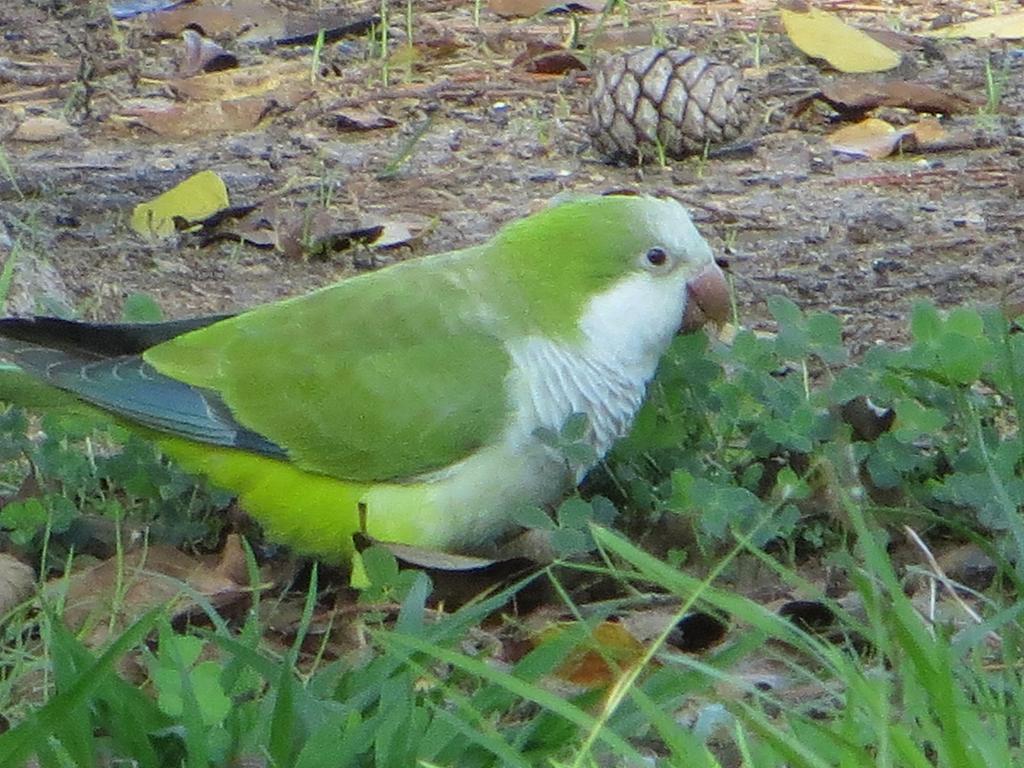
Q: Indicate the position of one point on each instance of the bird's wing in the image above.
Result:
(74, 371)
(372, 379)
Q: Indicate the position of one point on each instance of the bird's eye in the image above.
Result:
(656, 257)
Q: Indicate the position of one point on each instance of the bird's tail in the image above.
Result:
(52, 363)
(35, 350)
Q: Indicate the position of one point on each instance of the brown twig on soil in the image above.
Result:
(938, 575)
(855, 7)
(461, 87)
(35, 95)
(32, 73)
(996, 176)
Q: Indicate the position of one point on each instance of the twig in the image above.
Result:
(939, 575)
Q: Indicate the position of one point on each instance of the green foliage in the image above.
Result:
(220, 699)
(84, 470)
(571, 442)
(181, 680)
(917, 700)
(740, 439)
(7, 272)
(141, 308)
(386, 583)
(89, 694)
(750, 444)
(728, 435)
(569, 530)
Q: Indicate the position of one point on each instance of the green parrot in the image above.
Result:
(408, 402)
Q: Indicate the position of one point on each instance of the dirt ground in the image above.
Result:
(478, 141)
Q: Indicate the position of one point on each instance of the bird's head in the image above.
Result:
(630, 271)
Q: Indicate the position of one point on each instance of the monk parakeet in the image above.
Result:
(408, 402)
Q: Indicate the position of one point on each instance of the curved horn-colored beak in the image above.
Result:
(707, 299)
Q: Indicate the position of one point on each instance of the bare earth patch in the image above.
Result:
(478, 142)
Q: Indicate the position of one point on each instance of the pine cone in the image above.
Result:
(652, 100)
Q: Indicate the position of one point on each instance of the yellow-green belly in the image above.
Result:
(467, 507)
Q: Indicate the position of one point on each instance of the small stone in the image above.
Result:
(859, 234)
(821, 165)
(870, 226)
(499, 113)
(886, 265)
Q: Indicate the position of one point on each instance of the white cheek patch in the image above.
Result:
(631, 325)
(625, 332)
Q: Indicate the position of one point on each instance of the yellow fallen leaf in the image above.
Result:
(872, 138)
(197, 197)
(823, 36)
(1009, 26)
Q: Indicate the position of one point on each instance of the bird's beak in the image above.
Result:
(707, 299)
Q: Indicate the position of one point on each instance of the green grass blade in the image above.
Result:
(525, 690)
(20, 742)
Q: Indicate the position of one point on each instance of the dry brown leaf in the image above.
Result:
(810, 615)
(202, 54)
(30, 71)
(298, 232)
(245, 223)
(696, 632)
(287, 82)
(547, 59)
(355, 120)
(232, 565)
(610, 650)
(306, 28)
(42, 129)
(876, 138)
(527, 8)
(320, 233)
(968, 564)
(868, 420)
(396, 232)
(860, 96)
(148, 578)
(872, 138)
(441, 46)
(17, 582)
(823, 36)
(323, 233)
(216, 19)
(182, 120)
(1009, 26)
(255, 21)
(901, 42)
(928, 133)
